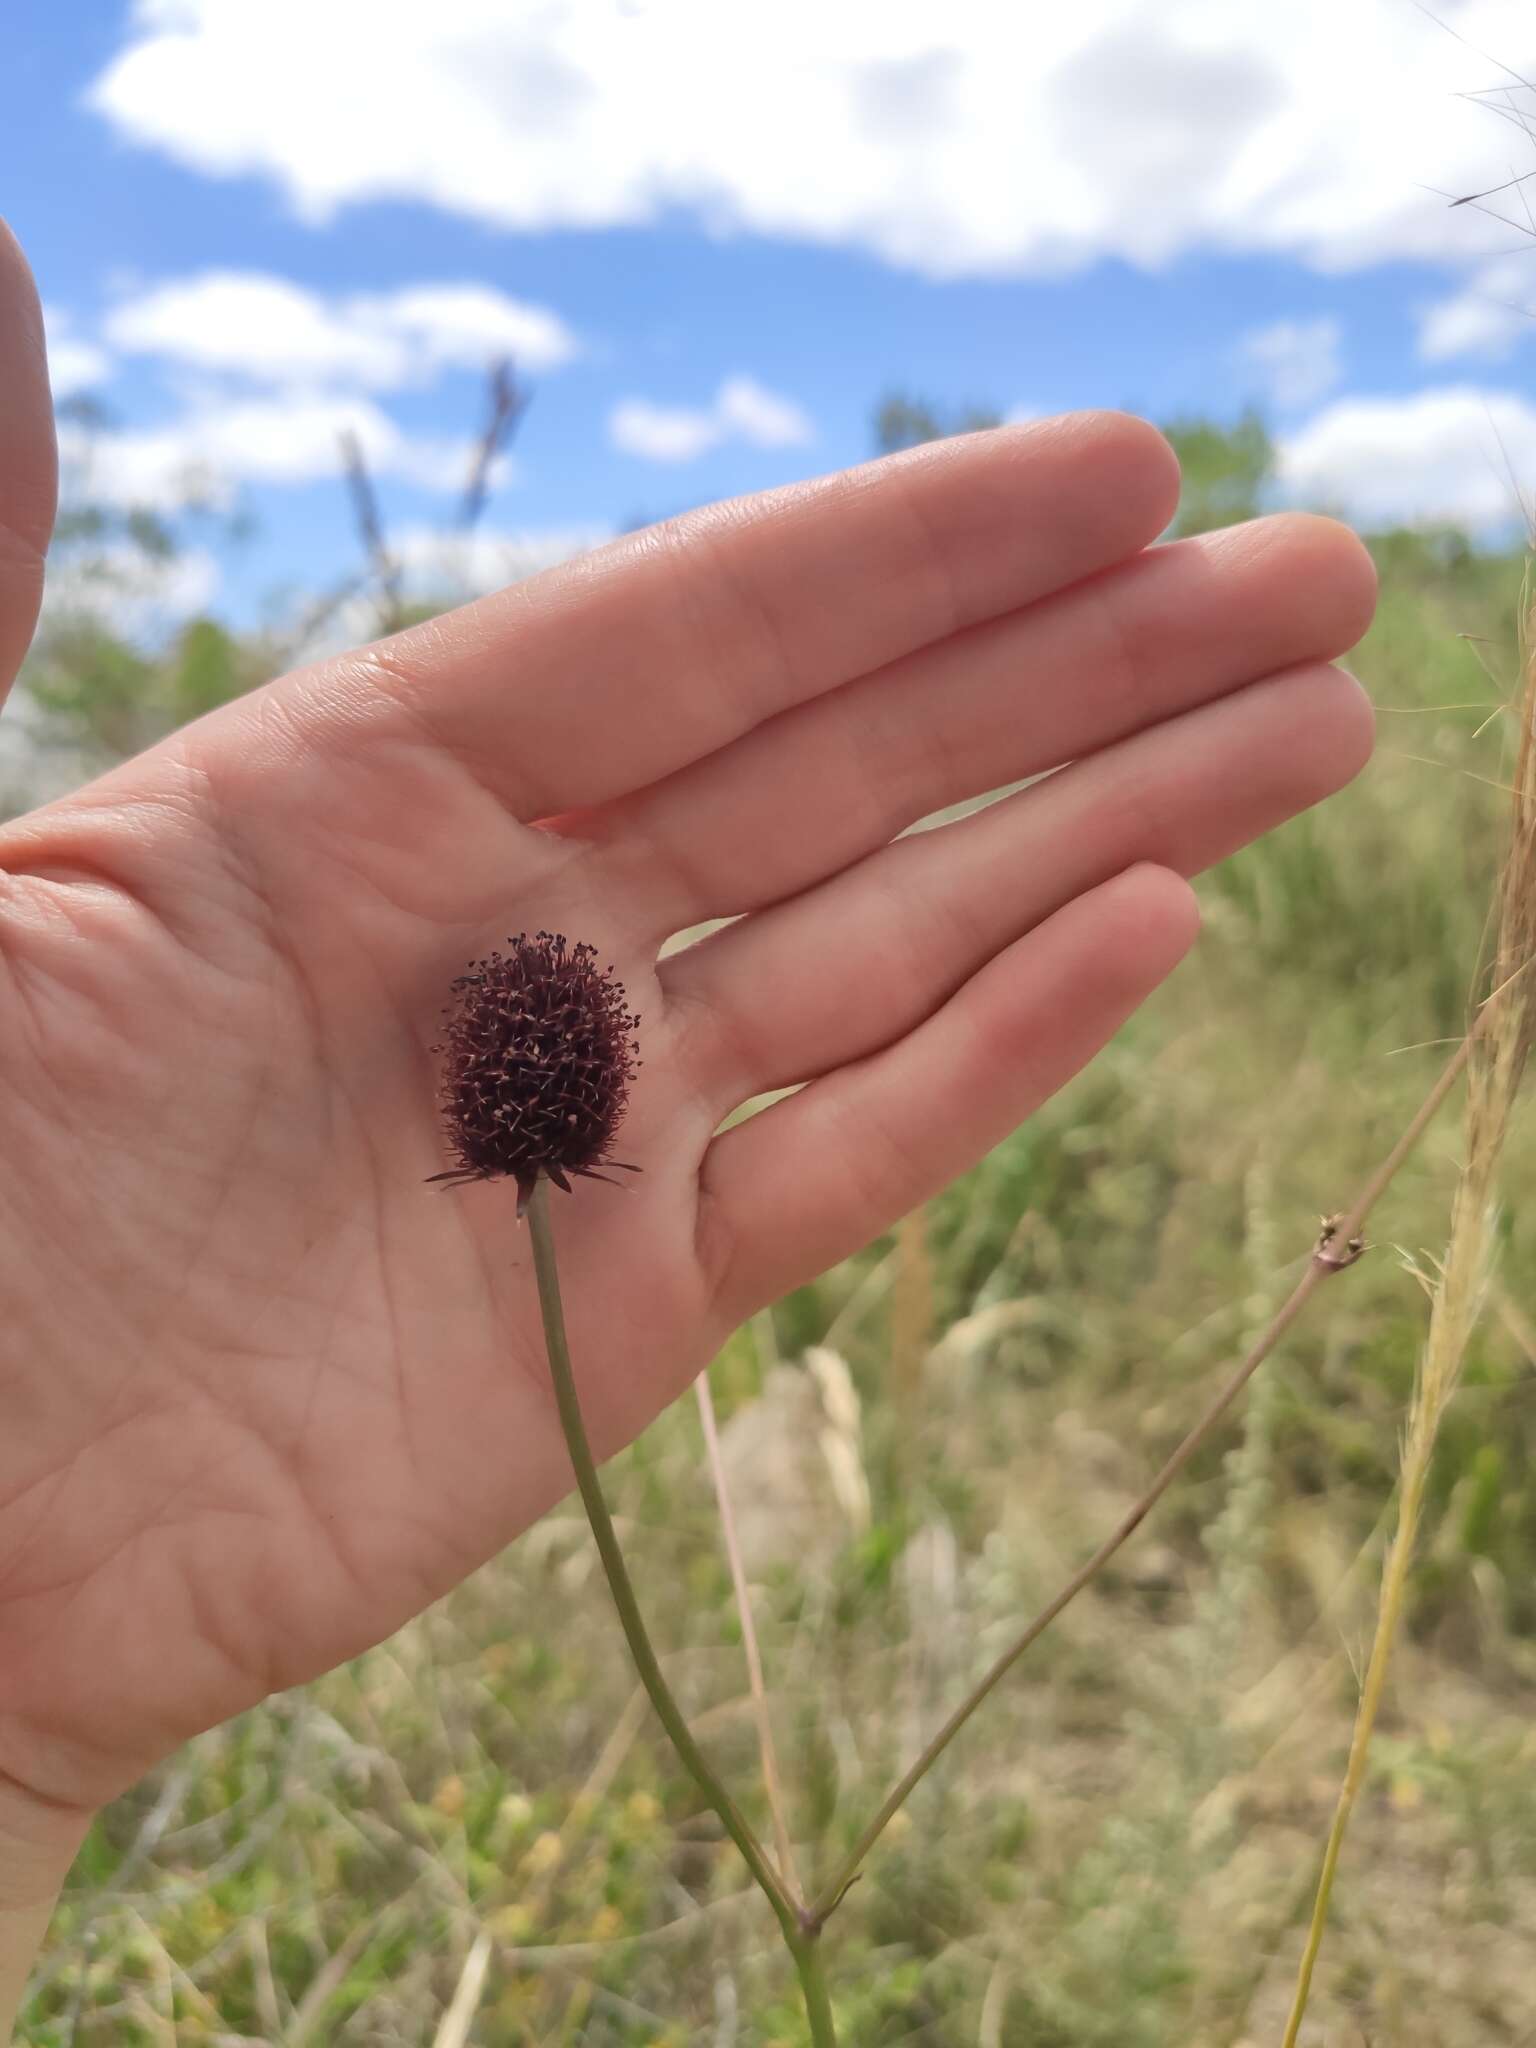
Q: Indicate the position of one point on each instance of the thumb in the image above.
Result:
(28, 463)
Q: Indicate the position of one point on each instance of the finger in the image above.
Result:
(832, 975)
(818, 1175)
(28, 466)
(610, 671)
(809, 792)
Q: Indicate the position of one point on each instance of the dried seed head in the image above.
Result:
(538, 1051)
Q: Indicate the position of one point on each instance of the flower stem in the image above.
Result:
(1318, 1268)
(813, 1985)
(668, 1711)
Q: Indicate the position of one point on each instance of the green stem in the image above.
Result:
(668, 1711)
(813, 1985)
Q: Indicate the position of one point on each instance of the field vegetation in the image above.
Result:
(477, 1834)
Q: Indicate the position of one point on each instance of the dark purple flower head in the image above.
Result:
(537, 1053)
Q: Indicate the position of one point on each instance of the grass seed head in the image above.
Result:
(538, 1052)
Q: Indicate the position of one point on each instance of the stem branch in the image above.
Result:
(1318, 1269)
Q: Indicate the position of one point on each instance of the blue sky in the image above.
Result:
(716, 233)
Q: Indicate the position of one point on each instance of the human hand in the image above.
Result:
(266, 1394)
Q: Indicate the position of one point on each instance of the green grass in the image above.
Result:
(1120, 1851)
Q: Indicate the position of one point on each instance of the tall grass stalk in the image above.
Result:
(767, 1751)
(1499, 1047)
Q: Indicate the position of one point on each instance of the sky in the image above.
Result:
(711, 234)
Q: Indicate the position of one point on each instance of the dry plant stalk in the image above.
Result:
(1499, 1046)
(742, 1592)
(507, 401)
(912, 1318)
(1338, 1246)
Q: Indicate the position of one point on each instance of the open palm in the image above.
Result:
(265, 1393)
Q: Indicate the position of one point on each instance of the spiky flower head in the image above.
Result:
(537, 1056)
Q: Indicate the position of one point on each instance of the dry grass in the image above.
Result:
(1457, 1287)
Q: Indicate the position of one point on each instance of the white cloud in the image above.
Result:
(267, 328)
(74, 364)
(442, 462)
(1493, 310)
(1457, 454)
(128, 590)
(233, 320)
(451, 569)
(662, 433)
(272, 438)
(466, 565)
(291, 438)
(972, 139)
(746, 409)
(1298, 360)
(160, 469)
(464, 326)
(742, 410)
(281, 374)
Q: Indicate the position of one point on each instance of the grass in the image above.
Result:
(1123, 1848)
(1495, 1053)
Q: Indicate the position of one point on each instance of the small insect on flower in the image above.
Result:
(538, 1052)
